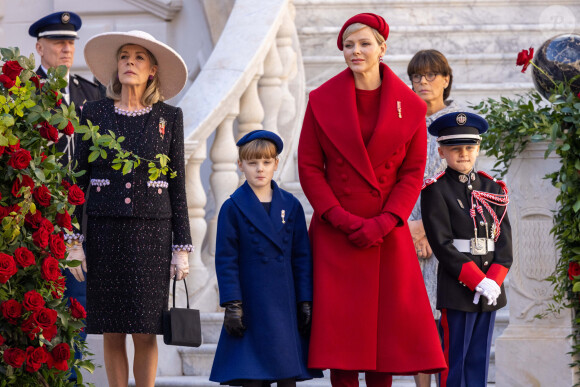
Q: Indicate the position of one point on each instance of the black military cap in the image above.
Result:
(58, 25)
(461, 128)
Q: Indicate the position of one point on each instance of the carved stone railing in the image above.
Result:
(253, 79)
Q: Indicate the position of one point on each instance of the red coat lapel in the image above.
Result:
(393, 131)
(334, 106)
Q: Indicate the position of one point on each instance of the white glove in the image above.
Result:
(489, 289)
(476, 297)
(179, 265)
(76, 253)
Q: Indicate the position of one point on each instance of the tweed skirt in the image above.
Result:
(128, 261)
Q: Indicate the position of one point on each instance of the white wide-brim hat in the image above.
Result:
(101, 57)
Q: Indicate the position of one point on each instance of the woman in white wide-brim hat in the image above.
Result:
(137, 230)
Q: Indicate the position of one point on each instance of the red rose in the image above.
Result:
(14, 208)
(524, 59)
(58, 101)
(29, 327)
(49, 333)
(36, 80)
(60, 355)
(40, 237)
(35, 357)
(76, 309)
(48, 131)
(45, 317)
(42, 157)
(76, 196)
(13, 148)
(12, 69)
(57, 246)
(24, 257)
(573, 270)
(20, 159)
(64, 220)
(50, 270)
(65, 184)
(69, 129)
(6, 81)
(47, 225)
(3, 212)
(2, 340)
(25, 182)
(42, 195)
(33, 300)
(0, 195)
(11, 310)
(14, 357)
(33, 220)
(7, 267)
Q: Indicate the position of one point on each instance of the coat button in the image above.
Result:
(485, 263)
(159, 191)
(280, 258)
(127, 200)
(347, 191)
(260, 250)
(375, 193)
(388, 165)
(255, 240)
(264, 259)
(344, 177)
(339, 161)
(469, 187)
(252, 230)
(127, 185)
(382, 179)
(98, 189)
(286, 239)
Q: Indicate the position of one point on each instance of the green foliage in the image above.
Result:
(26, 104)
(513, 124)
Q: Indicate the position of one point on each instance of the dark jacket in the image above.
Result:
(129, 195)
(263, 260)
(445, 206)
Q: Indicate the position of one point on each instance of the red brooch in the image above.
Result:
(162, 123)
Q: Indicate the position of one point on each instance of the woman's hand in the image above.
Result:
(417, 230)
(423, 249)
(76, 253)
(343, 220)
(179, 265)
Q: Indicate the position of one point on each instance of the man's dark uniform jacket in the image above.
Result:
(445, 205)
(80, 91)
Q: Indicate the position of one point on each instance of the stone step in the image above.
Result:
(447, 38)
(410, 12)
(467, 68)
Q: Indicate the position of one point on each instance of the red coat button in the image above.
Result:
(339, 161)
(347, 191)
(388, 165)
(344, 177)
(375, 193)
(382, 179)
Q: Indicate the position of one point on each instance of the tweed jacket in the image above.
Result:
(134, 195)
(445, 206)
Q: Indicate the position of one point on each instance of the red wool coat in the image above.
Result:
(371, 310)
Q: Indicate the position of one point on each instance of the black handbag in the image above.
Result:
(181, 326)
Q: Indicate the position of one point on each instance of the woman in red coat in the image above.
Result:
(361, 159)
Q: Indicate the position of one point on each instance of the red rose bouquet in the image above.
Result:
(38, 327)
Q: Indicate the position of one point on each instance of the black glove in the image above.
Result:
(233, 318)
(304, 317)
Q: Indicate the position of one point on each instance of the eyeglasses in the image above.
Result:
(416, 78)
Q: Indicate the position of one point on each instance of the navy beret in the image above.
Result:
(459, 128)
(262, 134)
(58, 25)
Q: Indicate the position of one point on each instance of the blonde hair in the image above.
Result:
(258, 149)
(151, 94)
(359, 26)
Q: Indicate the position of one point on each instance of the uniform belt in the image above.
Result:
(464, 245)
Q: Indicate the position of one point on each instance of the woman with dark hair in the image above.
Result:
(137, 234)
(361, 159)
(431, 78)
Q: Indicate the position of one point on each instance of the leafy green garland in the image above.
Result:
(513, 124)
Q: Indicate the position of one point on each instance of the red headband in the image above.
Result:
(369, 19)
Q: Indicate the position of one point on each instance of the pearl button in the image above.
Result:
(127, 200)
(98, 189)
(159, 191)
(128, 185)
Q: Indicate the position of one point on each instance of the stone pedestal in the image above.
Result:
(531, 351)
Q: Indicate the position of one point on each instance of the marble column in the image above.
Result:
(532, 351)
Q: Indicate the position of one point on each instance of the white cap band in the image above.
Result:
(59, 32)
(454, 136)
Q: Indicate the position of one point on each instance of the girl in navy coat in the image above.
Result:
(264, 271)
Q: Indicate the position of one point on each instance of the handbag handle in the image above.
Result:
(186, 294)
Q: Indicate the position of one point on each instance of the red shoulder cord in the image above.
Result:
(432, 180)
(479, 198)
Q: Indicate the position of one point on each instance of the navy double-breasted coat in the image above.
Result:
(264, 261)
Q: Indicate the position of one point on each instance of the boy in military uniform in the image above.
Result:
(264, 271)
(466, 223)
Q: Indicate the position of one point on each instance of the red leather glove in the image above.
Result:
(343, 220)
(373, 230)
